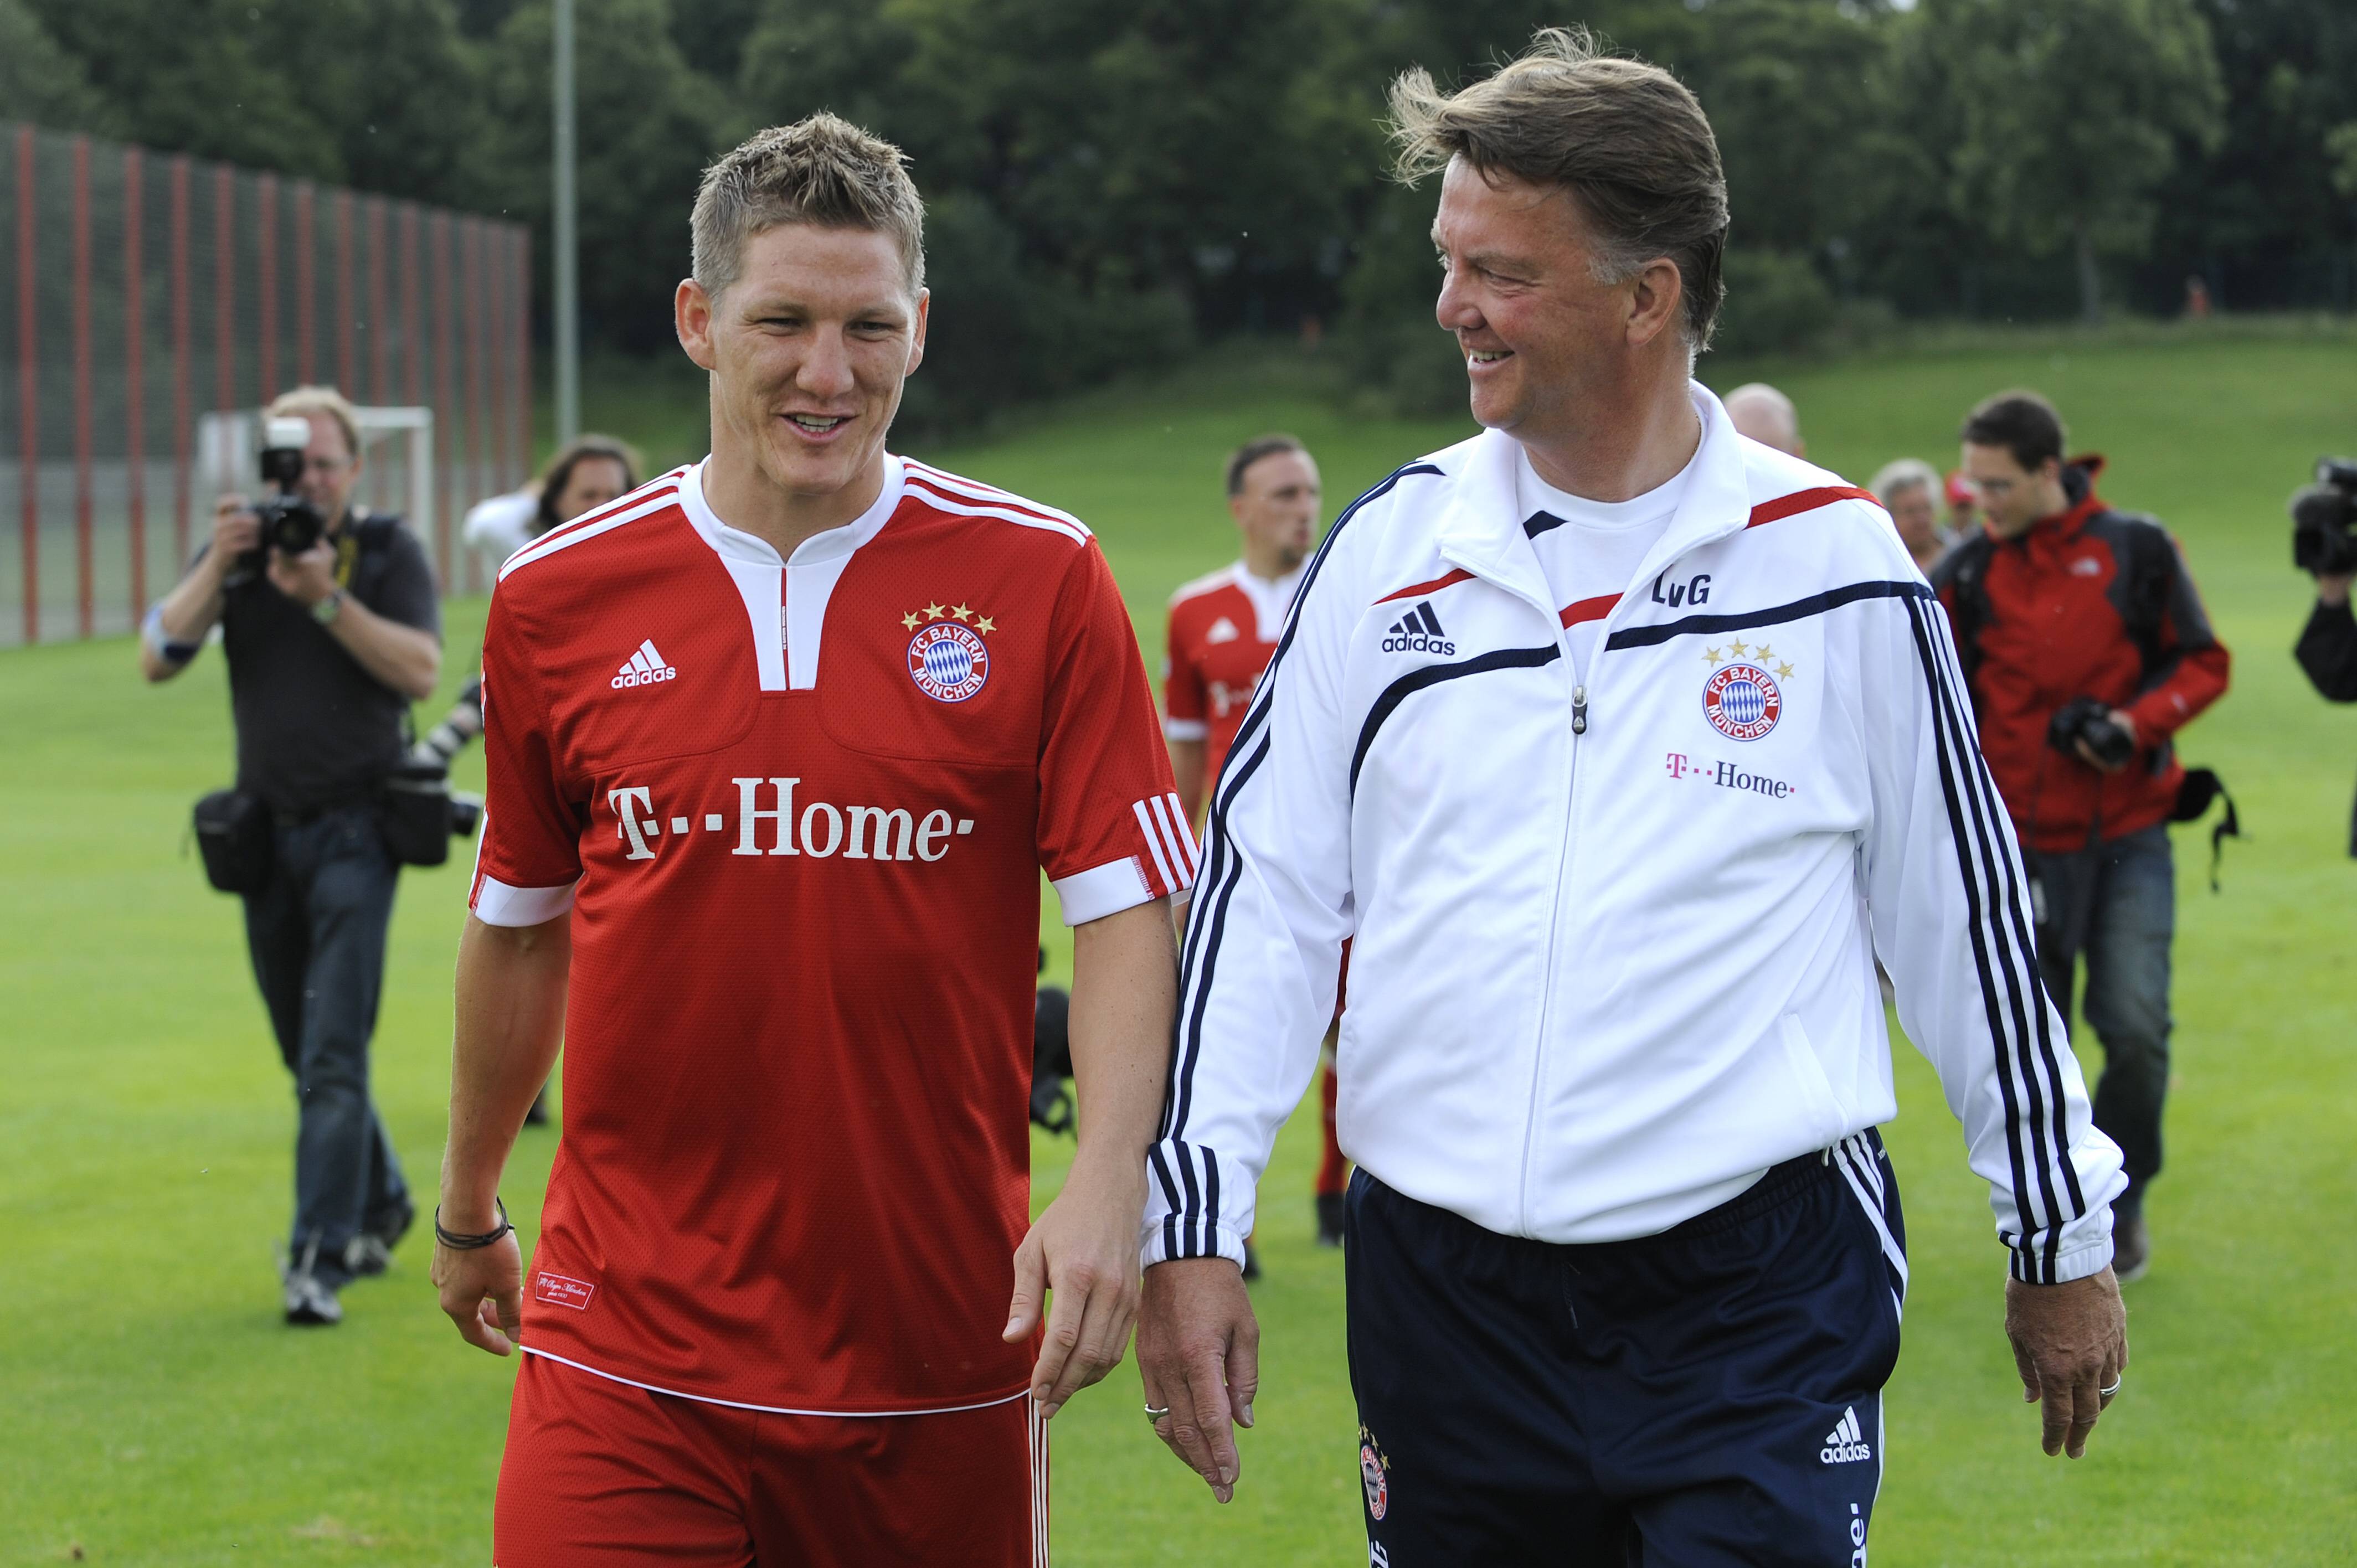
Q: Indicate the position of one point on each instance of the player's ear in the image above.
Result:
(917, 335)
(690, 313)
(1654, 303)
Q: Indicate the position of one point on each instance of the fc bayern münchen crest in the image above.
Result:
(1742, 701)
(948, 662)
(1373, 1473)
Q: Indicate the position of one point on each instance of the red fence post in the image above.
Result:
(224, 288)
(446, 397)
(28, 387)
(83, 608)
(181, 353)
(522, 240)
(380, 341)
(347, 370)
(307, 287)
(413, 315)
(135, 373)
(267, 275)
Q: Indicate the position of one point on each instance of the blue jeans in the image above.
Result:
(317, 937)
(2116, 905)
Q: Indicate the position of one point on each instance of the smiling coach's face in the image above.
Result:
(1548, 349)
(807, 350)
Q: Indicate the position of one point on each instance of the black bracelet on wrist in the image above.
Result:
(470, 1242)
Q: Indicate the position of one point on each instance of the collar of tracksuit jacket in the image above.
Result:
(1483, 530)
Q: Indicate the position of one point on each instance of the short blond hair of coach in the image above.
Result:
(1679, 751)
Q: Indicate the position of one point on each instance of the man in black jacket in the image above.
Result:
(327, 648)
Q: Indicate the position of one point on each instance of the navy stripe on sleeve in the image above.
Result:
(2004, 954)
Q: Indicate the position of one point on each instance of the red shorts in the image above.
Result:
(602, 1473)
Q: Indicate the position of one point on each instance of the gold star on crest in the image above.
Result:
(1763, 653)
(932, 612)
(984, 625)
(1710, 655)
(1738, 648)
(1783, 671)
(909, 622)
(959, 612)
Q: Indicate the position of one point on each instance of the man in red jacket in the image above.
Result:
(2086, 649)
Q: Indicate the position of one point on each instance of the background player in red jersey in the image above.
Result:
(1223, 632)
(789, 734)
(1224, 626)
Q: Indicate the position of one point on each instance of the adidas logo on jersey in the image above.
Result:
(1418, 631)
(1222, 631)
(646, 667)
(1844, 1443)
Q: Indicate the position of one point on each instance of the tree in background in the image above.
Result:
(2256, 215)
(39, 81)
(2072, 113)
(648, 124)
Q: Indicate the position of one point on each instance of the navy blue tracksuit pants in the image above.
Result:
(1709, 1396)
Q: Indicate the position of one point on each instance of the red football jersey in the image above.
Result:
(798, 809)
(1223, 632)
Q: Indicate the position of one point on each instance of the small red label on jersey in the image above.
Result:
(558, 1291)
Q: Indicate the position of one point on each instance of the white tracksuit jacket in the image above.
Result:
(1613, 939)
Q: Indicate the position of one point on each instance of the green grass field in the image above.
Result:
(153, 1410)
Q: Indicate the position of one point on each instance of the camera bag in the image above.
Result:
(233, 837)
(414, 815)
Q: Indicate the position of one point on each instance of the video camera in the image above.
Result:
(290, 523)
(2324, 520)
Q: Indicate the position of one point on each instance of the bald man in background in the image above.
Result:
(1767, 416)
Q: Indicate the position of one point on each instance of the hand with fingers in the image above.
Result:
(1199, 1357)
(482, 1292)
(1081, 1257)
(2071, 1347)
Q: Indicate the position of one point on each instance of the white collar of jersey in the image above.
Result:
(1481, 529)
(833, 545)
(1270, 599)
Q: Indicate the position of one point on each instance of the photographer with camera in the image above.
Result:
(332, 627)
(2085, 648)
(2324, 545)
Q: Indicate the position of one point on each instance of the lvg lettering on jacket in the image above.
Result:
(820, 829)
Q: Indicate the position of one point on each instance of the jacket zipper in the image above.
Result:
(1554, 928)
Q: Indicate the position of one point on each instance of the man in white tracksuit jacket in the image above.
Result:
(1620, 746)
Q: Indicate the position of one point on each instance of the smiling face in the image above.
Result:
(1547, 346)
(808, 349)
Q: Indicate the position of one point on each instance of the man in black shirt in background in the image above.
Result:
(327, 650)
(2327, 651)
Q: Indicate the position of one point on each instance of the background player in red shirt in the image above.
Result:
(789, 736)
(1223, 632)
(1224, 625)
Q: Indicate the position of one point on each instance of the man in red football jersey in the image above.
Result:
(777, 746)
(1224, 626)
(1223, 632)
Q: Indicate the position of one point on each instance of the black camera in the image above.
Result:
(2324, 520)
(290, 523)
(2090, 719)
